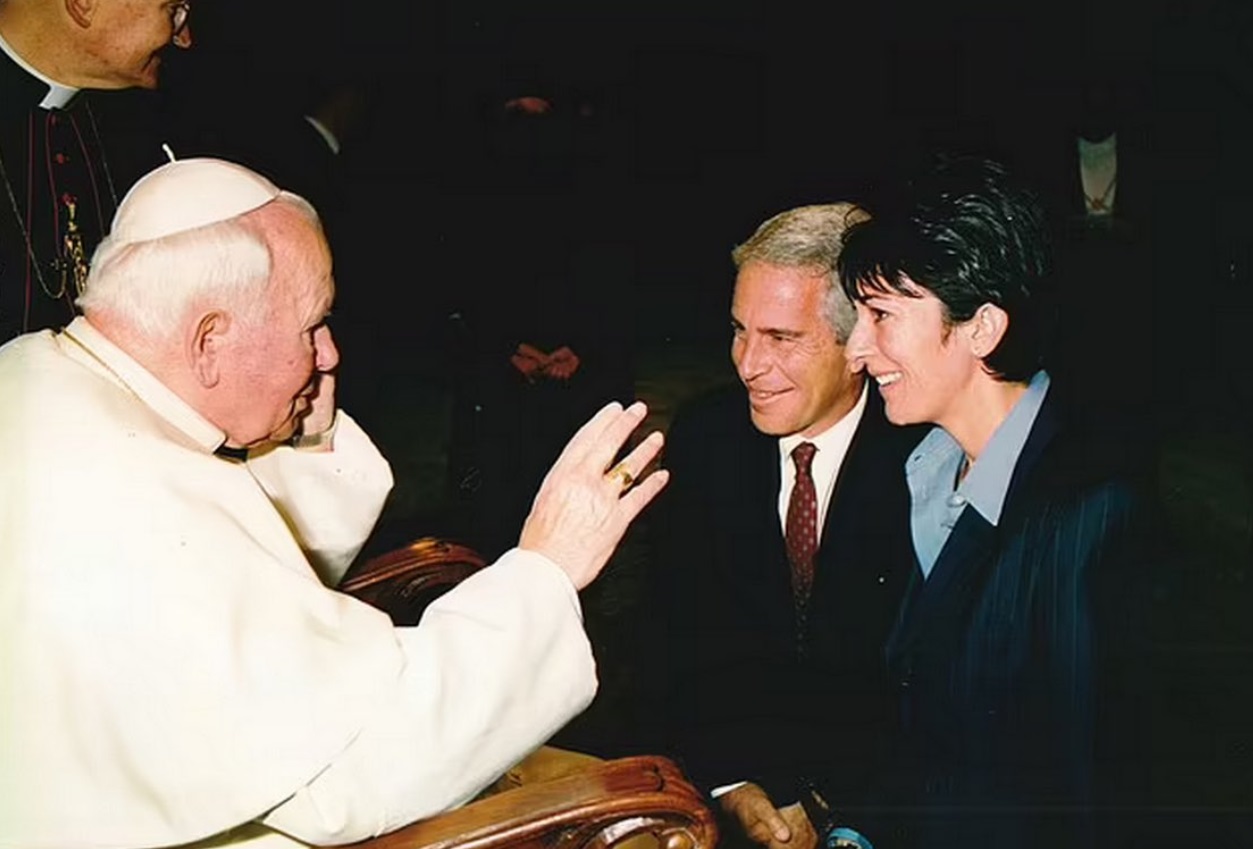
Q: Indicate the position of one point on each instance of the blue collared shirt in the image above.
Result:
(931, 473)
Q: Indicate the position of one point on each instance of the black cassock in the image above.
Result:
(62, 172)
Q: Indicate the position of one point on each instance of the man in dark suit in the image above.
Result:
(780, 583)
(65, 157)
(1020, 629)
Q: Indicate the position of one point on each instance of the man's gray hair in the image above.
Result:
(808, 237)
(152, 284)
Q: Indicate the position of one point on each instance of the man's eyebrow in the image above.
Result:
(783, 331)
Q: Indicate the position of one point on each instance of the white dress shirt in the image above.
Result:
(832, 446)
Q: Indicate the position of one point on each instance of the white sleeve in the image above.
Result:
(329, 499)
(495, 667)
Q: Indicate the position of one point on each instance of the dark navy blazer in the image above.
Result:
(1016, 662)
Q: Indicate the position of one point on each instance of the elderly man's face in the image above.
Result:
(125, 40)
(273, 374)
(785, 351)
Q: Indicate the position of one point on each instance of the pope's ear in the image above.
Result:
(206, 342)
(82, 11)
(987, 329)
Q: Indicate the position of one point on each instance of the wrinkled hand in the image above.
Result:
(529, 360)
(562, 364)
(775, 828)
(580, 514)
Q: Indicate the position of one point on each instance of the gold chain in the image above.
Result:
(74, 259)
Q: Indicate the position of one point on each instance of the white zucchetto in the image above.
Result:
(186, 194)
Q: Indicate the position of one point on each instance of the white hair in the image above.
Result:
(808, 237)
(153, 284)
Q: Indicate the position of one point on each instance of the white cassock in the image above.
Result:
(173, 671)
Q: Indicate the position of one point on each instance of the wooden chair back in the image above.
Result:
(404, 581)
(642, 799)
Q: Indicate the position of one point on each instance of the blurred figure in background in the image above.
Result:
(545, 276)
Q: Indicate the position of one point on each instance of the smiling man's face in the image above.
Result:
(785, 351)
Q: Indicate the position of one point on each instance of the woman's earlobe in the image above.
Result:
(987, 328)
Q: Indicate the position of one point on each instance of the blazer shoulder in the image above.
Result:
(1074, 464)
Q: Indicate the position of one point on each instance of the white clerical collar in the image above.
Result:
(58, 95)
(147, 388)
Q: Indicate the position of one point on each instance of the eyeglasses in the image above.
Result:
(178, 18)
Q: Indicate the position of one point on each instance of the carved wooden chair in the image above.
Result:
(603, 804)
(642, 799)
(402, 582)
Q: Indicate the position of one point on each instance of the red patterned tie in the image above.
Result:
(802, 524)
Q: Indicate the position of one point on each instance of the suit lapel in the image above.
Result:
(954, 580)
(757, 493)
(964, 562)
(1025, 479)
(844, 509)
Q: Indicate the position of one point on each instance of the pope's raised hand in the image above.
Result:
(583, 507)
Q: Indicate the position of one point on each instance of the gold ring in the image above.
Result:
(620, 472)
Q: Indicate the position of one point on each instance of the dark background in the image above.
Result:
(682, 125)
(706, 117)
